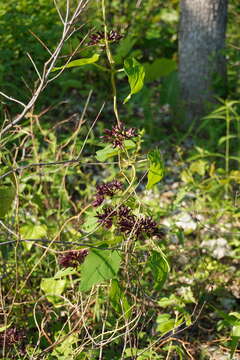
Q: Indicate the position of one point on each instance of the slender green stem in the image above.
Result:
(130, 182)
(111, 63)
(101, 67)
(227, 149)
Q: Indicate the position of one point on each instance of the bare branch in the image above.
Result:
(35, 66)
(49, 64)
(41, 42)
(59, 12)
(12, 99)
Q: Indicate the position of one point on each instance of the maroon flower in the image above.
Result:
(99, 37)
(118, 134)
(147, 227)
(98, 201)
(108, 189)
(73, 258)
(106, 218)
(128, 223)
(11, 336)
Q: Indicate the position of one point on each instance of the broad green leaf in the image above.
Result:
(32, 231)
(168, 301)
(99, 266)
(136, 73)
(236, 331)
(160, 268)
(124, 48)
(78, 62)
(91, 222)
(236, 314)
(165, 323)
(64, 272)
(147, 353)
(235, 337)
(170, 91)
(159, 68)
(118, 299)
(7, 195)
(156, 169)
(65, 350)
(53, 288)
(105, 153)
(109, 151)
(198, 167)
(186, 176)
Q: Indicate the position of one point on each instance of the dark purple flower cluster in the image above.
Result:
(73, 258)
(128, 223)
(106, 218)
(108, 189)
(118, 134)
(98, 37)
(11, 336)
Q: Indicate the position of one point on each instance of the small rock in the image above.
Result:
(218, 248)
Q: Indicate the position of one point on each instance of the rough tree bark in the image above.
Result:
(202, 64)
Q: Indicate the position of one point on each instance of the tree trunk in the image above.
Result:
(202, 64)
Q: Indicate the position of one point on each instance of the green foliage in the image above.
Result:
(156, 169)
(7, 195)
(159, 68)
(109, 151)
(118, 299)
(99, 266)
(18, 21)
(123, 300)
(32, 231)
(160, 268)
(136, 74)
(78, 62)
(52, 288)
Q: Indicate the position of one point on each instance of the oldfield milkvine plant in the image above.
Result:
(120, 238)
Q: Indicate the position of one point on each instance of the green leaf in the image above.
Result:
(159, 68)
(165, 323)
(136, 73)
(147, 353)
(32, 231)
(168, 301)
(109, 151)
(186, 176)
(7, 195)
(236, 314)
(236, 331)
(65, 350)
(124, 48)
(198, 167)
(64, 272)
(78, 62)
(156, 169)
(91, 222)
(235, 337)
(118, 299)
(53, 288)
(160, 268)
(99, 266)
(170, 91)
(226, 138)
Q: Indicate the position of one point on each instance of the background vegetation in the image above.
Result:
(72, 286)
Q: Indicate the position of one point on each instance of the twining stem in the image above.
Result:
(111, 63)
(228, 119)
